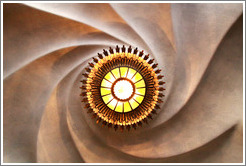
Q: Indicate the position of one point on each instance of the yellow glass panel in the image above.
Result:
(105, 83)
(137, 77)
(138, 98)
(123, 71)
(119, 107)
(141, 91)
(105, 91)
(133, 103)
(112, 104)
(140, 84)
(131, 72)
(127, 107)
(107, 98)
(110, 77)
(116, 72)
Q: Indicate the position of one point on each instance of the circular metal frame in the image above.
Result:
(116, 59)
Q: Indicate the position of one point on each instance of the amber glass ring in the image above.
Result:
(117, 96)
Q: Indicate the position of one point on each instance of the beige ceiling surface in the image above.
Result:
(199, 48)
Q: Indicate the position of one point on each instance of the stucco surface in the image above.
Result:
(199, 48)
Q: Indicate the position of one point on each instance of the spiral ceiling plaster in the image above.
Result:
(47, 46)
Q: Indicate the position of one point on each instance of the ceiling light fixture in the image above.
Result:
(122, 88)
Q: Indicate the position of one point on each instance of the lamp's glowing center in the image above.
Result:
(123, 89)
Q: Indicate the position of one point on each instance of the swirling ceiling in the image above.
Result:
(198, 46)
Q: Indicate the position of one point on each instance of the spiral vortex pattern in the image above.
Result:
(46, 47)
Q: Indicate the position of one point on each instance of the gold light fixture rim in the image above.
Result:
(115, 82)
(113, 59)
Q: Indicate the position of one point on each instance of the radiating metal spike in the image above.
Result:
(109, 125)
(161, 89)
(146, 57)
(111, 50)
(161, 95)
(141, 53)
(105, 52)
(159, 101)
(98, 120)
(95, 60)
(100, 56)
(115, 127)
(91, 64)
(160, 76)
(94, 116)
(155, 65)
(82, 94)
(154, 112)
(145, 121)
(121, 128)
(158, 71)
(150, 117)
(86, 75)
(128, 127)
(162, 83)
(135, 51)
(104, 123)
(83, 81)
(117, 49)
(123, 48)
(157, 107)
(130, 49)
(151, 61)
(90, 111)
(87, 105)
(134, 126)
(84, 100)
(87, 69)
(83, 87)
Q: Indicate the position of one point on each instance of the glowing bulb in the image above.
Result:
(123, 89)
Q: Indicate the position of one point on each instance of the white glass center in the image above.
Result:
(123, 89)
